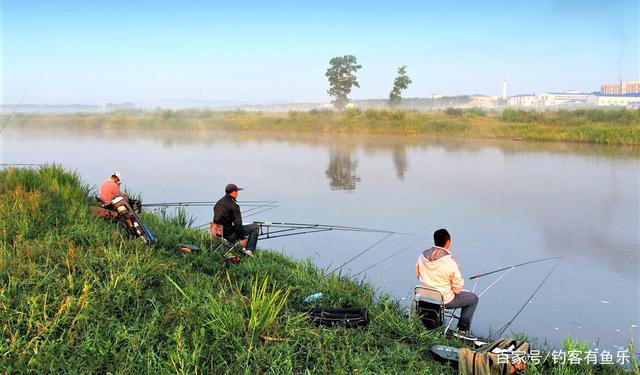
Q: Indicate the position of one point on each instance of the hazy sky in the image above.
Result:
(259, 51)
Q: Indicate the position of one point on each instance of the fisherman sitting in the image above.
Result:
(113, 199)
(436, 268)
(226, 212)
(109, 190)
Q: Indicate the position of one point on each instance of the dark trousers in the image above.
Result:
(251, 232)
(468, 302)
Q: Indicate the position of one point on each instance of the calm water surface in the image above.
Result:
(503, 202)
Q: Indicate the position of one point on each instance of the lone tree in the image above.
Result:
(341, 76)
(402, 82)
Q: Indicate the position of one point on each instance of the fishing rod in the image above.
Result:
(207, 204)
(390, 256)
(511, 267)
(22, 164)
(361, 253)
(501, 331)
(287, 227)
(266, 208)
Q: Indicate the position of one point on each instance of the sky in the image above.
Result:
(93, 52)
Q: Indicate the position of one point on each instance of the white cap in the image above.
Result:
(116, 173)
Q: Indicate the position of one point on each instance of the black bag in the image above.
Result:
(347, 318)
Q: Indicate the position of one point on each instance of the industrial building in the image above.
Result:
(631, 100)
(525, 100)
(625, 87)
(482, 101)
(549, 99)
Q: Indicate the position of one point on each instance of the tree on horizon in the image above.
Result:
(342, 78)
(401, 82)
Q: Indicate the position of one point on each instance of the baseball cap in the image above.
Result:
(232, 187)
(117, 174)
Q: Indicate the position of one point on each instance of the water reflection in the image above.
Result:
(342, 169)
(399, 155)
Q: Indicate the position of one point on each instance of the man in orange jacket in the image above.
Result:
(110, 189)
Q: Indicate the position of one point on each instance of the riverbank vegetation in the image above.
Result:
(601, 126)
(78, 295)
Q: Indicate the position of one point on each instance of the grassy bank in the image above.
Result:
(612, 127)
(78, 295)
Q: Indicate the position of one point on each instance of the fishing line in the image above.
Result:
(390, 256)
(362, 252)
(501, 331)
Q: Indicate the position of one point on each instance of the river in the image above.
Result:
(504, 202)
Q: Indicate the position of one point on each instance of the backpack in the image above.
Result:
(485, 360)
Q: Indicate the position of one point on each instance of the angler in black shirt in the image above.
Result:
(226, 212)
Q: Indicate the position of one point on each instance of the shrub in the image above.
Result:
(453, 112)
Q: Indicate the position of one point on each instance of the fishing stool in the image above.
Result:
(428, 304)
(231, 255)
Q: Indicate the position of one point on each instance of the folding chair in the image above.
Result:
(231, 254)
(429, 306)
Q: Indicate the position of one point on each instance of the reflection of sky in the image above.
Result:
(503, 202)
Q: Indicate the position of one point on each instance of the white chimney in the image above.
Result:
(504, 87)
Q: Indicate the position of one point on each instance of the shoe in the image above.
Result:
(464, 335)
(248, 253)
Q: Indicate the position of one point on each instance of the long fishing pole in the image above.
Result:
(493, 283)
(207, 203)
(501, 331)
(266, 208)
(22, 164)
(513, 266)
(361, 253)
(334, 227)
(389, 257)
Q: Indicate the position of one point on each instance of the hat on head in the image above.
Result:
(116, 173)
(231, 188)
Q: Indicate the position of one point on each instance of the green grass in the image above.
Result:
(602, 126)
(78, 295)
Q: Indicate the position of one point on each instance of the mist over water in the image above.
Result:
(504, 202)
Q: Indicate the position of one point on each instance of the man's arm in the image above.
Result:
(217, 213)
(457, 282)
(237, 221)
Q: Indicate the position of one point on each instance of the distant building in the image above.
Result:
(616, 100)
(525, 100)
(567, 98)
(625, 87)
(482, 101)
(549, 99)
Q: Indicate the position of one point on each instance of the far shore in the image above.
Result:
(599, 126)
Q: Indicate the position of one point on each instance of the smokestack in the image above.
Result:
(504, 87)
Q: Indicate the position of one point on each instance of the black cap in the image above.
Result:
(232, 187)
